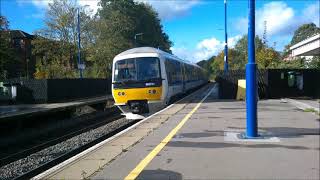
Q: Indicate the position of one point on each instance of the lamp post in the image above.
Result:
(251, 82)
(80, 64)
(135, 38)
(226, 66)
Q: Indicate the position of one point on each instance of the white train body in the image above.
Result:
(145, 79)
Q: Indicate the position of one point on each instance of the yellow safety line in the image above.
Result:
(139, 168)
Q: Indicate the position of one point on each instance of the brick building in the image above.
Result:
(21, 42)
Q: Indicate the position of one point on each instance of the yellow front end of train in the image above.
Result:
(137, 85)
(123, 96)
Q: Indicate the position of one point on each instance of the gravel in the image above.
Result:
(35, 160)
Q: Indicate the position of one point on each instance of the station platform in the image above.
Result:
(306, 104)
(191, 140)
(11, 111)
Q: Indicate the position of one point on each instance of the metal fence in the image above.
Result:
(274, 83)
(57, 90)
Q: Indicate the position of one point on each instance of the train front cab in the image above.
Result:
(138, 86)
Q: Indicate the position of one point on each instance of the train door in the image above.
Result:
(183, 70)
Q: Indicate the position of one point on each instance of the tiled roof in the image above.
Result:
(18, 34)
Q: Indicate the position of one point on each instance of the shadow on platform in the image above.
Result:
(213, 145)
(159, 174)
(287, 132)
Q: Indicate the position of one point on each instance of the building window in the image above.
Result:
(17, 43)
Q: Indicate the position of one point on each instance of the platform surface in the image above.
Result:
(26, 109)
(306, 104)
(199, 150)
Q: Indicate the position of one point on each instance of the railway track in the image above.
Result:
(37, 143)
(31, 161)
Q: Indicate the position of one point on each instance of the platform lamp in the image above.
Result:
(81, 65)
(226, 65)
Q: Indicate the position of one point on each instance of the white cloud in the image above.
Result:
(278, 16)
(204, 49)
(233, 40)
(92, 4)
(209, 47)
(44, 4)
(280, 19)
(169, 9)
(181, 52)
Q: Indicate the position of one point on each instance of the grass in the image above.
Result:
(311, 110)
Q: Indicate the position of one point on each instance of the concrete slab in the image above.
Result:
(81, 169)
(199, 150)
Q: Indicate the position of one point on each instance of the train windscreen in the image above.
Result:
(137, 69)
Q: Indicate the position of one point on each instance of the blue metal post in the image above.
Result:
(80, 65)
(226, 66)
(251, 83)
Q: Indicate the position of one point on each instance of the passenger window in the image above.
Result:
(173, 70)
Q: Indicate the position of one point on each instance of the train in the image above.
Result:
(146, 79)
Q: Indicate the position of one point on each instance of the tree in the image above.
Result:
(298, 63)
(303, 32)
(119, 21)
(55, 46)
(4, 23)
(8, 58)
(314, 63)
(242, 47)
(266, 57)
(233, 60)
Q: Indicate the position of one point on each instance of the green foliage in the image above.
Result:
(298, 63)
(303, 32)
(119, 21)
(205, 64)
(103, 36)
(53, 59)
(4, 23)
(55, 46)
(266, 57)
(233, 60)
(8, 59)
(314, 63)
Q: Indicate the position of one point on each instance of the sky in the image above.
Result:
(196, 27)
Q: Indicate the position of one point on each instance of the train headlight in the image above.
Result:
(153, 91)
(121, 93)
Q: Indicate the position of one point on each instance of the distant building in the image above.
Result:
(21, 41)
(307, 48)
(24, 63)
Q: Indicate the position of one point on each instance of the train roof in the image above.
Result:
(142, 50)
(153, 50)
